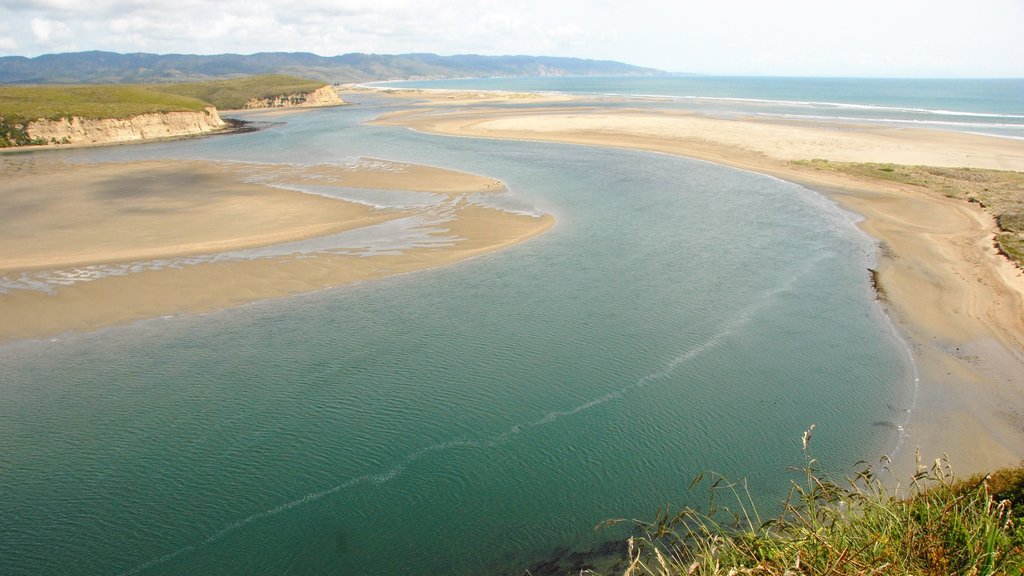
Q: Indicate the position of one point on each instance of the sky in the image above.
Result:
(904, 38)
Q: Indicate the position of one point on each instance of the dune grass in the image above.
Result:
(855, 528)
(1000, 192)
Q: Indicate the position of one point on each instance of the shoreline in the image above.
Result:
(231, 126)
(956, 303)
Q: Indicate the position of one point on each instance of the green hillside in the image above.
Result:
(22, 104)
(19, 104)
(234, 93)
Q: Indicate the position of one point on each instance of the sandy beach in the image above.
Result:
(88, 246)
(958, 304)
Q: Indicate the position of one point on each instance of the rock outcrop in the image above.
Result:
(325, 96)
(76, 130)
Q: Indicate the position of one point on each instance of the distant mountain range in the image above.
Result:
(112, 67)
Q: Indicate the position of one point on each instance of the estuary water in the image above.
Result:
(680, 317)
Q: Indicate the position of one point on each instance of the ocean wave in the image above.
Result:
(893, 120)
(854, 106)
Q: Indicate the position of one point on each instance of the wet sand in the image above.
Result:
(169, 222)
(954, 299)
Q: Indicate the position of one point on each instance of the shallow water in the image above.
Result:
(679, 317)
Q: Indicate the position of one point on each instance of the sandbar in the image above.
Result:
(957, 303)
(89, 246)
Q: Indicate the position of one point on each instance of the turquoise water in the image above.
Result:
(680, 317)
(984, 106)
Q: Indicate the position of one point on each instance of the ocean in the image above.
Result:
(993, 107)
(680, 317)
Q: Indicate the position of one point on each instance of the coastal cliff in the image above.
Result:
(78, 130)
(115, 113)
(325, 96)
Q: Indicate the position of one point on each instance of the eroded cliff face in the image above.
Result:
(77, 130)
(325, 96)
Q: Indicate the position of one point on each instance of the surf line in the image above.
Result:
(730, 328)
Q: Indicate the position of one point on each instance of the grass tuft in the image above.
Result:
(852, 528)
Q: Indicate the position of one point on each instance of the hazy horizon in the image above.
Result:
(939, 39)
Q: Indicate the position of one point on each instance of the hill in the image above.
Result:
(63, 113)
(112, 67)
(235, 93)
(26, 103)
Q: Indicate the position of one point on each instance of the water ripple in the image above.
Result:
(731, 327)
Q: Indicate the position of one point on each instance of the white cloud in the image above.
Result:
(873, 37)
(7, 42)
(49, 32)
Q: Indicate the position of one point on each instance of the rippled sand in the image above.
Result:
(86, 246)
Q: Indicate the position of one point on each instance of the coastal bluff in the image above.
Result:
(87, 115)
(325, 96)
(78, 130)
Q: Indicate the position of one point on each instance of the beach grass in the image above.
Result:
(941, 526)
(1000, 192)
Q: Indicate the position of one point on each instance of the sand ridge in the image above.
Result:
(87, 246)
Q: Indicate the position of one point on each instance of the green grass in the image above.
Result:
(234, 93)
(853, 528)
(1000, 192)
(20, 104)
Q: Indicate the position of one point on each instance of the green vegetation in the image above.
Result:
(15, 135)
(944, 527)
(20, 104)
(234, 93)
(998, 191)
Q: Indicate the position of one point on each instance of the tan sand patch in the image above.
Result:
(95, 216)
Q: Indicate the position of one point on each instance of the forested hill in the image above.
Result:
(112, 67)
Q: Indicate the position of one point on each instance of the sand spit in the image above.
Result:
(445, 97)
(958, 303)
(87, 246)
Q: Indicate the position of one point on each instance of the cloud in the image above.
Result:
(913, 37)
(50, 32)
(7, 42)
